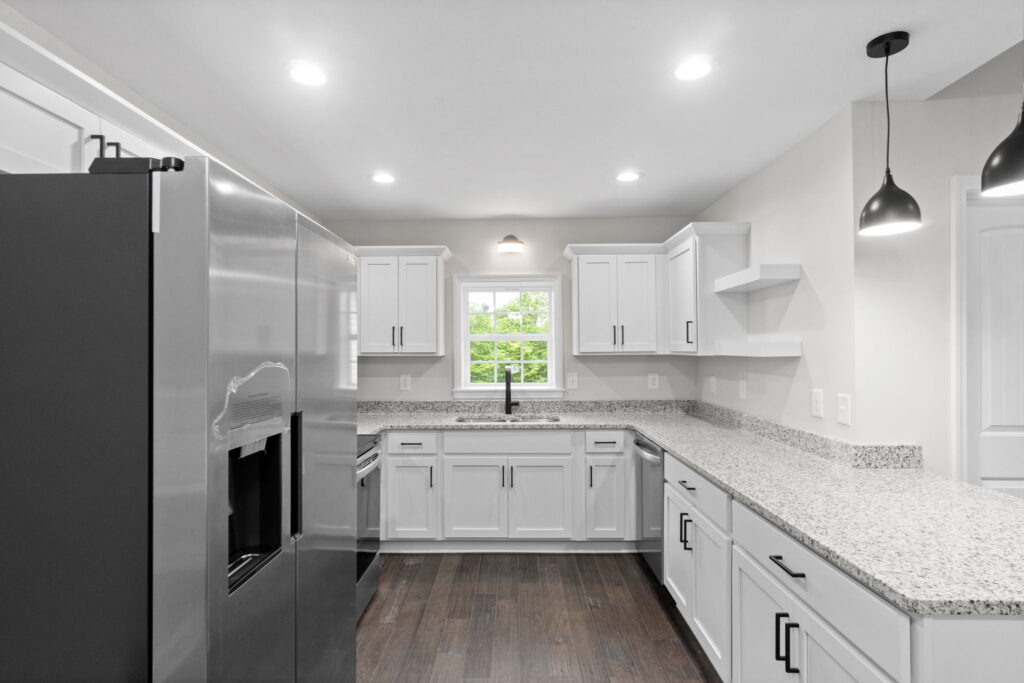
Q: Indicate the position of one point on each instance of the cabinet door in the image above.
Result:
(682, 297)
(760, 610)
(822, 654)
(417, 304)
(475, 498)
(378, 304)
(540, 497)
(42, 132)
(678, 551)
(597, 304)
(712, 595)
(412, 488)
(606, 496)
(637, 303)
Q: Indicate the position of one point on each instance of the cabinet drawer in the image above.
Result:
(706, 497)
(508, 442)
(880, 630)
(605, 441)
(412, 442)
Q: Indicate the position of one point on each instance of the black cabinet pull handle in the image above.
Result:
(686, 536)
(605, 443)
(431, 476)
(688, 323)
(777, 559)
(615, 339)
(401, 336)
(392, 335)
(683, 536)
(790, 669)
(412, 443)
(296, 472)
(591, 476)
(682, 482)
(622, 335)
(779, 616)
(511, 476)
(502, 476)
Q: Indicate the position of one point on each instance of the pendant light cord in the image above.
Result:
(888, 121)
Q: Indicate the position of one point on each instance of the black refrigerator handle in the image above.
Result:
(296, 474)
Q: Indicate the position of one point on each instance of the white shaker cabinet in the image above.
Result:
(606, 496)
(475, 497)
(615, 303)
(540, 497)
(682, 309)
(411, 485)
(401, 300)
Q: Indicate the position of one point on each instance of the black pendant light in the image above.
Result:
(891, 210)
(1003, 175)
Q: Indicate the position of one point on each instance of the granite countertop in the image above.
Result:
(926, 544)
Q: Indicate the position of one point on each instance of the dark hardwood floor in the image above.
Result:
(507, 617)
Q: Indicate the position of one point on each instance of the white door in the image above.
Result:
(378, 304)
(597, 303)
(411, 487)
(475, 497)
(994, 350)
(41, 131)
(606, 496)
(682, 297)
(760, 611)
(540, 497)
(417, 304)
(637, 303)
(678, 551)
(712, 595)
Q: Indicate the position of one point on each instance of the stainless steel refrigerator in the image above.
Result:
(178, 490)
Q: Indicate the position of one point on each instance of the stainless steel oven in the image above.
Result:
(650, 496)
(368, 501)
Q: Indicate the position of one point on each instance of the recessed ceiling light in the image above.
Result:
(693, 68)
(383, 178)
(628, 176)
(307, 73)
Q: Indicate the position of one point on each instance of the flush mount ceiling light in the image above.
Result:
(510, 244)
(307, 73)
(628, 176)
(382, 178)
(891, 210)
(1003, 174)
(697, 66)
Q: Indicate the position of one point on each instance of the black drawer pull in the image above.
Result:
(412, 443)
(779, 616)
(605, 443)
(777, 559)
(790, 669)
(682, 482)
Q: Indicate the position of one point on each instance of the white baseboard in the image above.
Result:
(503, 546)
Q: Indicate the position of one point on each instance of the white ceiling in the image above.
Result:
(488, 108)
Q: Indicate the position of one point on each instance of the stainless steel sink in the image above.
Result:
(505, 419)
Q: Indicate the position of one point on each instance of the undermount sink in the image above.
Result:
(504, 419)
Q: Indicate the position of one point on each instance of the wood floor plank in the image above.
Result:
(519, 617)
(480, 649)
(461, 603)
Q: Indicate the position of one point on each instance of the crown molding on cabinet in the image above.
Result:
(439, 250)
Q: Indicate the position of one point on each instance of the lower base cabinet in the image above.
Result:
(411, 507)
(540, 497)
(606, 496)
(776, 639)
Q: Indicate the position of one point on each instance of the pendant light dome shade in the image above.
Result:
(1003, 175)
(890, 211)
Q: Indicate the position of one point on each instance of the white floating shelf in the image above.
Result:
(758, 277)
(761, 349)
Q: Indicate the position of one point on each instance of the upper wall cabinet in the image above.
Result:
(615, 303)
(401, 300)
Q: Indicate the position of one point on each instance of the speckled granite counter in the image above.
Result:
(926, 544)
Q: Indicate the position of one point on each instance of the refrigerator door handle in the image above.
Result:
(296, 475)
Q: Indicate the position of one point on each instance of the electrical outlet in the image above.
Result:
(844, 409)
(572, 380)
(743, 387)
(817, 403)
(405, 382)
(712, 384)
(652, 380)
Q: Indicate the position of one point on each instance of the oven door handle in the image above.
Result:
(647, 455)
(366, 470)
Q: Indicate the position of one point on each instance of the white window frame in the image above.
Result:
(460, 304)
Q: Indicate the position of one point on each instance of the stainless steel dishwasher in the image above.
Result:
(650, 496)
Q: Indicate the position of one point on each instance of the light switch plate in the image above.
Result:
(712, 384)
(844, 409)
(817, 403)
(572, 380)
(405, 382)
(743, 387)
(652, 380)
